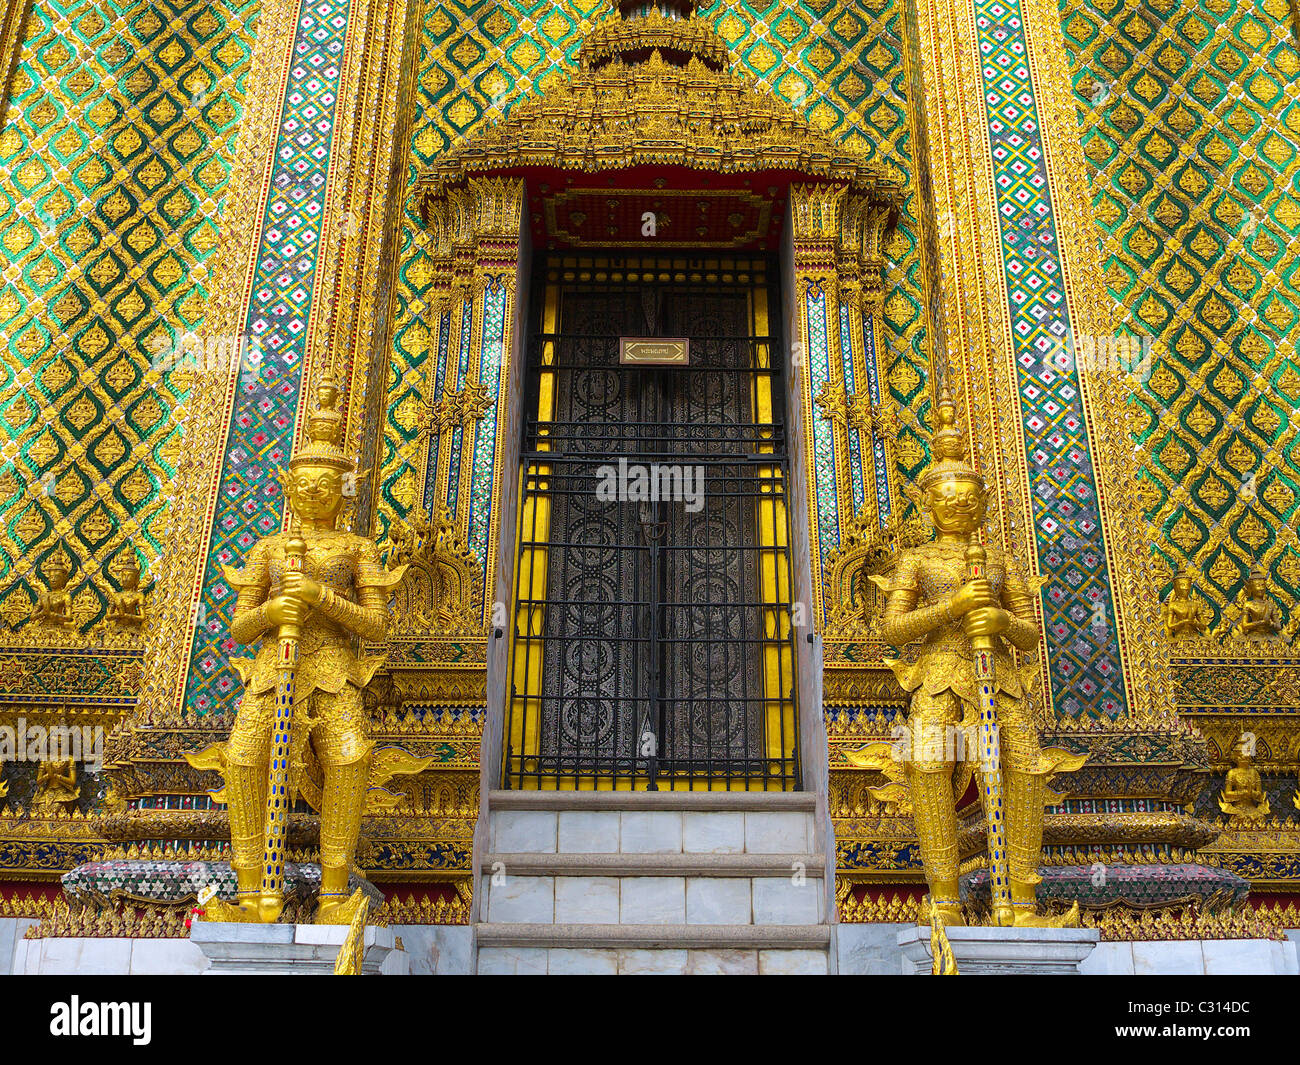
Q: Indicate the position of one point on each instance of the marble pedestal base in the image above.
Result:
(288, 949)
(1002, 951)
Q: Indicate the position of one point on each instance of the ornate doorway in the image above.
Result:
(653, 636)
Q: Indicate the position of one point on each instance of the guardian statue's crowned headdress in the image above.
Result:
(324, 433)
(948, 448)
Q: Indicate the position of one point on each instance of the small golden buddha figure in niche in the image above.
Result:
(1243, 798)
(56, 786)
(54, 606)
(1261, 620)
(126, 608)
(1183, 613)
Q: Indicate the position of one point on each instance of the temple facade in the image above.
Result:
(640, 316)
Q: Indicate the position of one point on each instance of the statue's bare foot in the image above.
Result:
(949, 913)
(236, 913)
(1069, 919)
(337, 909)
(950, 916)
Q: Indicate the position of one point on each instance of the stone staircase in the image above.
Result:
(652, 882)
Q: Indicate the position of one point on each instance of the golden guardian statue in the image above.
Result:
(968, 606)
(308, 595)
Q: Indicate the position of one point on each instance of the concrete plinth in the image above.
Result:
(1002, 951)
(434, 949)
(303, 949)
(870, 949)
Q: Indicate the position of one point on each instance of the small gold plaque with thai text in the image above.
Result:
(654, 351)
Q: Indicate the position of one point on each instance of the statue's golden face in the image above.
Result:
(956, 506)
(1255, 588)
(316, 492)
(1182, 585)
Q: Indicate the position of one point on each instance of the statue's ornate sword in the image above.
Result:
(990, 765)
(277, 788)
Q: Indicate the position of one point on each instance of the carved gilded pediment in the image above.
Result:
(653, 113)
(866, 550)
(441, 584)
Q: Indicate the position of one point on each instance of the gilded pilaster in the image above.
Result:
(313, 283)
(816, 218)
(361, 234)
(11, 39)
(473, 257)
(198, 469)
(1107, 394)
(1007, 308)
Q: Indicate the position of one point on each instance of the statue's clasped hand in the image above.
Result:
(286, 610)
(298, 586)
(973, 595)
(297, 594)
(973, 603)
(986, 621)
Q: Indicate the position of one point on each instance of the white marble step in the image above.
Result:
(600, 830)
(644, 949)
(649, 936)
(617, 863)
(653, 800)
(640, 882)
(640, 961)
(658, 898)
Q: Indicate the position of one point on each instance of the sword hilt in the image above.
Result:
(295, 550)
(976, 558)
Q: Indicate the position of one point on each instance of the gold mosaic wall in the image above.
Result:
(114, 146)
(1191, 124)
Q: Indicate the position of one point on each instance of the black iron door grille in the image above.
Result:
(653, 641)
